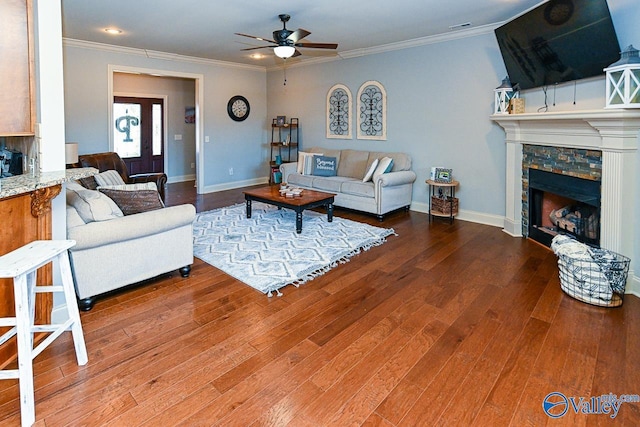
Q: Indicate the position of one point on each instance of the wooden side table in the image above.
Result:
(446, 207)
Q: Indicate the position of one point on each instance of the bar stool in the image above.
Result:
(21, 266)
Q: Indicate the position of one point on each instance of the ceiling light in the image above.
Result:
(113, 31)
(284, 52)
(256, 56)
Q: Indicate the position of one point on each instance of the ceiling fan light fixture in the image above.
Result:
(284, 52)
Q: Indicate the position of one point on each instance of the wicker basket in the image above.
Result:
(600, 282)
(444, 205)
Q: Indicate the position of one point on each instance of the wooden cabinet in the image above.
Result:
(28, 218)
(17, 87)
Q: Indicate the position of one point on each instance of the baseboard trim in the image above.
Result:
(235, 184)
(465, 215)
(633, 285)
(181, 178)
(59, 314)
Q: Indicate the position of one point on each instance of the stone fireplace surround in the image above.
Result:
(571, 162)
(613, 132)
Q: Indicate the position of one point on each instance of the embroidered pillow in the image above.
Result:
(324, 166)
(372, 169)
(110, 177)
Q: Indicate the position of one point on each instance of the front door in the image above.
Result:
(138, 133)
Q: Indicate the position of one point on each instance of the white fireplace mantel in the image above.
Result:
(614, 132)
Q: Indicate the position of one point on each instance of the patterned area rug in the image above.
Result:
(266, 253)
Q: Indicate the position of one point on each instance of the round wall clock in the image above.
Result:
(238, 108)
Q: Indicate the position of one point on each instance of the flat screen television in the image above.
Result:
(558, 41)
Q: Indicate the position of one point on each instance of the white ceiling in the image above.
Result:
(205, 28)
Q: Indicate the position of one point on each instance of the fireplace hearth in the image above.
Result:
(563, 204)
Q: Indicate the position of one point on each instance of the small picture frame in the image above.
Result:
(443, 175)
(281, 120)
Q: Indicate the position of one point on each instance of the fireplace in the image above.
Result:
(613, 132)
(563, 204)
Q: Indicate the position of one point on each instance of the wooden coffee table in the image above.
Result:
(307, 200)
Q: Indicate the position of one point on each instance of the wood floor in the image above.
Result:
(444, 324)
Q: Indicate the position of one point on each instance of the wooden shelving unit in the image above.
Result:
(284, 144)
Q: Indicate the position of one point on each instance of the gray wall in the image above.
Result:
(232, 144)
(180, 93)
(439, 99)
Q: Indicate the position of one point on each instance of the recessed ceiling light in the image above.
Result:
(113, 31)
(256, 56)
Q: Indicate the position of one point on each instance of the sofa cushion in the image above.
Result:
(133, 202)
(353, 163)
(358, 188)
(327, 152)
(301, 180)
(401, 161)
(330, 183)
(91, 204)
(110, 177)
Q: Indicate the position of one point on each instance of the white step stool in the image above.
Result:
(21, 265)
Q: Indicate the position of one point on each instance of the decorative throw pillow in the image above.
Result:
(305, 162)
(133, 202)
(110, 177)
(384, 166)
(372, 169)
(89, 182)
(91, 205)
(301, 156)
(324, 166)
(131, 187)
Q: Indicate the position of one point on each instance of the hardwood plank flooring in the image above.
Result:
(445, 324)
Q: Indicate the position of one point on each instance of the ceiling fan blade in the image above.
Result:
(257, 47)
(254, 37)
(296, 53)
(298, 34)
(318, 45)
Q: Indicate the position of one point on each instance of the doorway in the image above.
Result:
(199, 97)
(139, 133)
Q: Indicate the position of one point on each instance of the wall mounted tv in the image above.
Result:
(558, 41)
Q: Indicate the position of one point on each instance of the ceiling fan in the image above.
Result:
(285, 41)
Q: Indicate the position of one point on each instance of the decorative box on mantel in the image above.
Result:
(613, 132)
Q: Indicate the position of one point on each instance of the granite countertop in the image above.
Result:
(20, 184)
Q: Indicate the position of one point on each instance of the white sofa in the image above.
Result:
(385, 193)
(113, 253)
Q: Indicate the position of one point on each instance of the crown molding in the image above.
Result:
(422, 41)
(355, 53)
(153, 54)
(406, 44)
